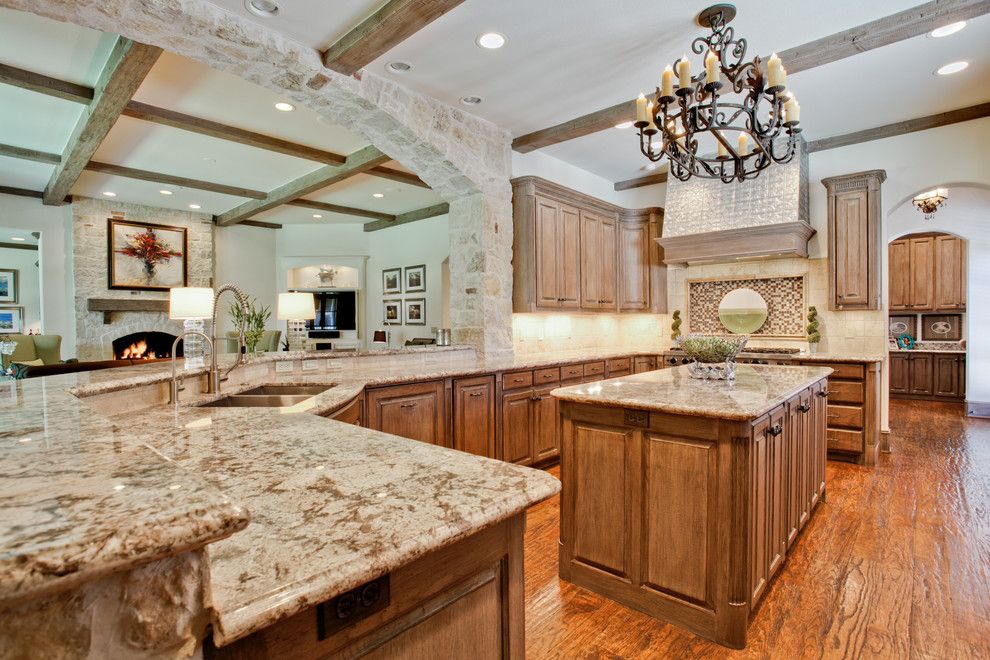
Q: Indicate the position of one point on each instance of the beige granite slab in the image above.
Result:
(755, 391)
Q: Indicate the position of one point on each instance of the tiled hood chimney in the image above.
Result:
(708, 221)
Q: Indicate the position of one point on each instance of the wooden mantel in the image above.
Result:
(110, 305)
(789, 239)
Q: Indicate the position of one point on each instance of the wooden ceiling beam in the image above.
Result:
(21, 192)
(393, 23)
(411, 216)
(19, 246)
(868, 36)
(126, 68)
(639, 182)
(261, 225)
(398, 176)
(167, 179)
(357, 162)
(36, 82)
(901, 127)
(343, 210)
(11, 151)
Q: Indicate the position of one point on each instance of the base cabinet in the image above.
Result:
(928, 375)
(529, 426)
(415, 411)
(474, 416)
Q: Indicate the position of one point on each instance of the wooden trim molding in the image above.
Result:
(530, 185)
(390, 25)
(109, 305)
(144, 175)
(978, 408)
(343, 210)
(788, 239)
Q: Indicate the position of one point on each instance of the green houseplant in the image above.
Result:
(675, 326)
(253, 322)
(814, 334)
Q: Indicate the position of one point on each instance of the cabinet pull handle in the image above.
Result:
(536, 398)
(408, 405)
(775, 430)
(518, 380)
(476, 394)
(804, 407)
(823, 394)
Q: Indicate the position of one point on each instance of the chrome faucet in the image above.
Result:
(213, 387)
(176, 385)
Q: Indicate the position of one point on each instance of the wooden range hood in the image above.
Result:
(789, 239)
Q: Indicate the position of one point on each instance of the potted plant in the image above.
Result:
(675, 328)
(253, 323)
(814, 334)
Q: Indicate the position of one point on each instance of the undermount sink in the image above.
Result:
(268, 396)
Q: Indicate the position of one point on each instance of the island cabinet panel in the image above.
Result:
(415, 411)
(474, 416)
(461, 601)
(517, 427)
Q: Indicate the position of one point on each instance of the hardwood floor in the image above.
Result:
(896, 564)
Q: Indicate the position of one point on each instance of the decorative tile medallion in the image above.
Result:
(784, 297)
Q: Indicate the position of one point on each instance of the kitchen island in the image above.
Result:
(682, 497)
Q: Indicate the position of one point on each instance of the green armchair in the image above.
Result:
(30, 348)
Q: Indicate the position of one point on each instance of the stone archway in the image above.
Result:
(466, 160)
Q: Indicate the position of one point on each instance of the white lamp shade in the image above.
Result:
(296, 307)
(190, 302)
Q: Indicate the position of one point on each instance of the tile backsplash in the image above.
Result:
(785, 298)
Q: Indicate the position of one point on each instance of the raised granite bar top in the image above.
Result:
(756, 390)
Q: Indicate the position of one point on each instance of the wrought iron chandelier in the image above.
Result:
(930, 201)
(705, 135)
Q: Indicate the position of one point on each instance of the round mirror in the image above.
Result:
(742, 311)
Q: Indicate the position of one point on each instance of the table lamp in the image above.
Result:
(192, 305)
(296, 308)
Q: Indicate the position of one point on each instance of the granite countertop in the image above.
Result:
(756, 391)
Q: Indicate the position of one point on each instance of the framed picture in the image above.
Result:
(898, 324)
(392, 312)
(8, 285)
(941, 327)
(415, 311)
(145, 257)
(392, 281)
(416, 278)
(11, 320)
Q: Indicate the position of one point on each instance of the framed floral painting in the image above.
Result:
(144, 256)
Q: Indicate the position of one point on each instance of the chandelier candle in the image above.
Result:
(738, 105)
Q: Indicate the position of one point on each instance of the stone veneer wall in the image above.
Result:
(90, 271)
(779, 194)
(465, 159)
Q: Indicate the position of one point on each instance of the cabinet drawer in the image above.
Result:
(619, 364)
(594, 369)
(843, 440)
(848, 371)
(843, 391)
(541, 376)
(848, 416)
(571, 372)
(517, 379)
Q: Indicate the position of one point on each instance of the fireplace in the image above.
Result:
(148, 345)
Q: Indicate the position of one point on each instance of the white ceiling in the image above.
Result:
(7, 234)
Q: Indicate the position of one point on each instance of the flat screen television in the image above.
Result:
(335, 311)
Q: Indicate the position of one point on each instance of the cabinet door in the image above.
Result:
(591, 260)
(474, 416)
(608, 285)
(920, 373)
(411, 411)
(900, 373)
(547, 249)
(546, 426)
(922, 273)
(946, 375)
(852, 255)
(778, 493)
(645, 363)
(899, 253)
(950, 273)
(634, 262)
(796, 456)
(819, 422)
(517, 426)
(569, 258)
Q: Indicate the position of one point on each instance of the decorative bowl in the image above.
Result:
(714, 355)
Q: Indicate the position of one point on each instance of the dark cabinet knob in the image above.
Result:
(823, 394)
(804, 407)
(775, 430)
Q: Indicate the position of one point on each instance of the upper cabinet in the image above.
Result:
(927, 273)
(575, 252)
(854, 240)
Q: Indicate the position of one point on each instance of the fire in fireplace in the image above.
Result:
(149, 345)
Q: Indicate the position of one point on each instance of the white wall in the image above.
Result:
(245, 256)
(28, 284)
(553, 169)
(55, 256)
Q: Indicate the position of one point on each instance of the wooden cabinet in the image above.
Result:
(899, 380)
(529, 426)
(927, 273)
(643, 363)
(517, 426)
(572, 251)
(854, 240)
(920, 374)
(852, 411)
(617, 367)
(474, 416)
(928, 375)
(352, 413)
(414, 411)
(546, 423)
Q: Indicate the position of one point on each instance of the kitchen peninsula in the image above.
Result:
(681, 497)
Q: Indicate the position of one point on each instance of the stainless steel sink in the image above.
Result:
(268, 396)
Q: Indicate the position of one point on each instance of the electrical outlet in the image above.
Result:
(311, 365)
(283, 367)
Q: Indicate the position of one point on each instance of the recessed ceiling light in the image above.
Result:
(165, 192)
(649, 167)
(317, 216)
(491, 40)
(195, 207)
(378, 195)
(399, 67)
(946, 30)
(107, 193)
(471, 100)
(951, 67)
(17, 238)
(624, 125)
(263, 8)
(284, 107)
